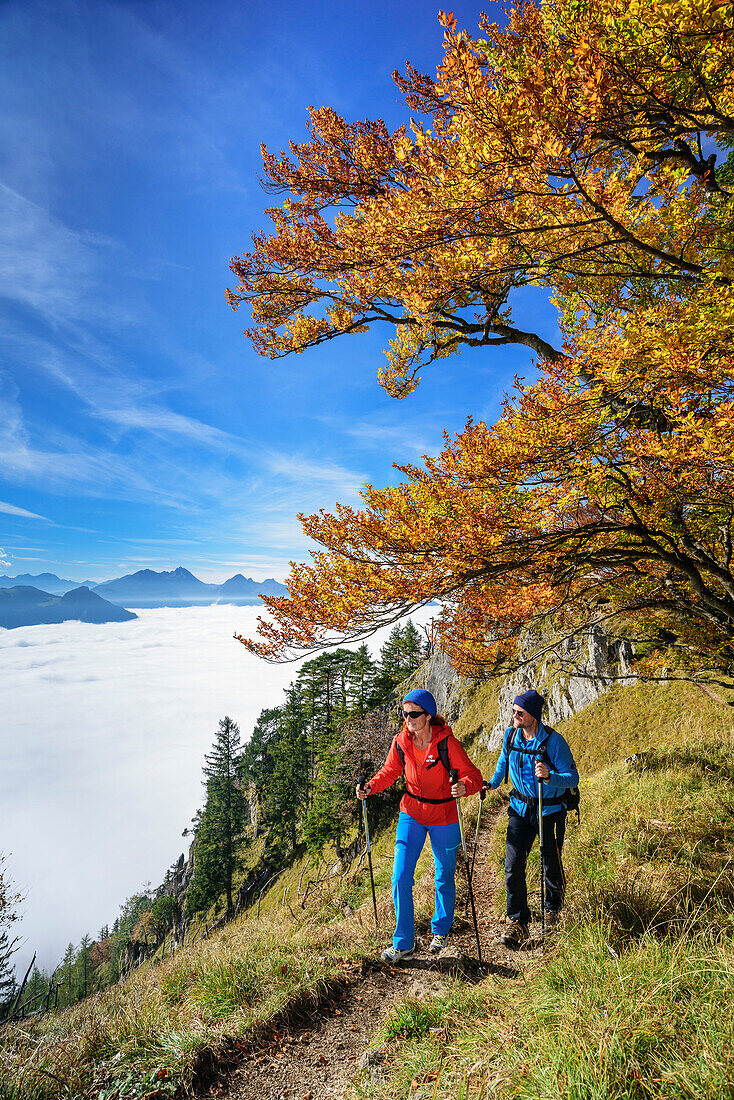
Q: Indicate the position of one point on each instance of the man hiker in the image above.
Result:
(533, 753)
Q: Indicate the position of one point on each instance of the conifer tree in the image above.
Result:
(8, 944)
(7, 977)
(33, 994)
(361, 682)
(67, 976)
(223, 821)
(327, 677)
(84, 967)
(399, 656)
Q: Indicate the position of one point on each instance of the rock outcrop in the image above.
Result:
(590, 662)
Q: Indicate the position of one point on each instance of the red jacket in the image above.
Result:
(429, 779)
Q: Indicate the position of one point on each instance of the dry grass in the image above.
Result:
(155, 1022)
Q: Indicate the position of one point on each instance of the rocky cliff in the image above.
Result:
(596, 660)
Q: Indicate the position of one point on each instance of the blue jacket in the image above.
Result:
(563, 773)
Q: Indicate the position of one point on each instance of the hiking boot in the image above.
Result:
(516, 936)
(437, 944)
(392, 955)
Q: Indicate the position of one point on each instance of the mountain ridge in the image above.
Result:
(147, 588)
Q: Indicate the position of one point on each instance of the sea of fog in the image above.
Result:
(103, 731)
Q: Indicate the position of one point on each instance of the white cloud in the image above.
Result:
(297, 467)
(48, 267)
(397, 437)
(5, 562)
(62, 461)
(13, 510)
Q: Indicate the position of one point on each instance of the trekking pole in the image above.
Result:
(360, 782)
(542, 857)
(454, 773)
(482, 796)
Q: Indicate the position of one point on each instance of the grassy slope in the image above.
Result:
(633, 1001)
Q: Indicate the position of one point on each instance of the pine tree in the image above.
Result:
(67, 976)
(361, 680)
(399, 656)
(8, 947)
(35, 991)
(9, 944)
(327, 677)
(223, 821)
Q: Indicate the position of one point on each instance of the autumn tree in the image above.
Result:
(577, 150)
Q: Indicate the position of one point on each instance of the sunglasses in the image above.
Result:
(413, 713)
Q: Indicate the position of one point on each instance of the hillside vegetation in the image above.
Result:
(630, 1000)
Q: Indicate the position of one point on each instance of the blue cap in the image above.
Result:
(422, 699)
(531, 702)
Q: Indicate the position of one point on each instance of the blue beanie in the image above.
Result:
(531, 702)
(422, 699)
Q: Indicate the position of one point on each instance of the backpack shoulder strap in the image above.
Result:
(400, 751)
(544, 754)
(443, 754)
(508, 738)
(442, 751)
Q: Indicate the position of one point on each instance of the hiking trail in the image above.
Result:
(326, 1047)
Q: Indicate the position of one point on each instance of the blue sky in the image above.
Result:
(137, 426)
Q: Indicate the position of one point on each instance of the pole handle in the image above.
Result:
(360, 782)
(454, 775)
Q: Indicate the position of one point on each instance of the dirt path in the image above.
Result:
(320, 1057)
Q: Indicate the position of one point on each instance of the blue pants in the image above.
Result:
(410, 837)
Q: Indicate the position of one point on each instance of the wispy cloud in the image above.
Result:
(5, 562)
(12, 510)
(48, 267)
(164, 422)
(298, 468)
(69, 461)
(396, 438)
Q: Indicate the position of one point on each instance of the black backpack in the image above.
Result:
(570, 800)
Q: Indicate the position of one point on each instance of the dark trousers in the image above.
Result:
(521, 833)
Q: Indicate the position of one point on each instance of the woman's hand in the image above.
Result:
(458, 790)
(362, 792)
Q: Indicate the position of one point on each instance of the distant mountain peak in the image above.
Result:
(24, 605)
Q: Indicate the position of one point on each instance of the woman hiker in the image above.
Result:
(426, 749)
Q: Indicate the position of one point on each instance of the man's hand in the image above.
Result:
(541, 770)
